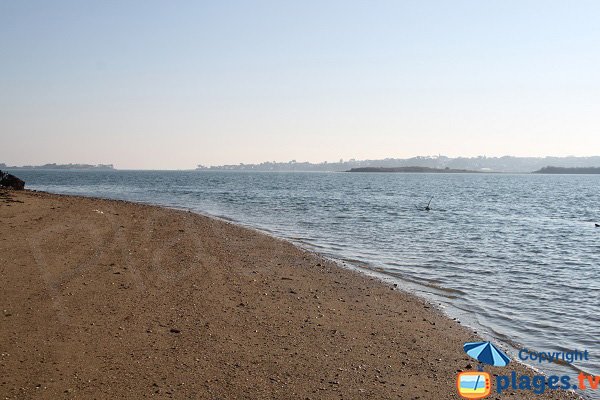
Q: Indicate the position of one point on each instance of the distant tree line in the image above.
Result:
(573, 170)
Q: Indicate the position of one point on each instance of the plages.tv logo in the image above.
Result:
(477, 384)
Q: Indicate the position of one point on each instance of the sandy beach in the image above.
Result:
(108, 299)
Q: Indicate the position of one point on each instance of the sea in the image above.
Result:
(514, 256)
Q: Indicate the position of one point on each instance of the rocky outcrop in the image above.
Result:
(10, 181)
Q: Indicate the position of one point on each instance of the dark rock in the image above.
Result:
(175, 330)
(10, 181)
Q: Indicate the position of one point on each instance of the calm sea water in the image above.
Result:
(515, 256)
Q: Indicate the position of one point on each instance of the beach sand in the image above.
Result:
(108, 299)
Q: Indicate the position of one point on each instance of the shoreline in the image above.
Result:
(323, 330)
(411, 287)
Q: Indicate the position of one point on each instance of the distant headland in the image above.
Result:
(61, 166)
(508, 164)
(413, 169)
(564, 170)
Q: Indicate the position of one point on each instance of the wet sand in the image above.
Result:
(108, 299)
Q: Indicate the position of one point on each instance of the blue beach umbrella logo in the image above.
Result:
(486, 353)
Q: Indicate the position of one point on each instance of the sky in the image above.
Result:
(172, 84)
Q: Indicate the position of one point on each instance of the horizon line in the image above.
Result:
(293, 161)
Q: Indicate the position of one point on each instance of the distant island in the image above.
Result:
(412, 169)
(61, 166)
(564, 170)
(480, 164)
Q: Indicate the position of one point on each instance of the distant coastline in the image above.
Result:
(509, 164)
(564, 170)
(413, 169)
(103, 167)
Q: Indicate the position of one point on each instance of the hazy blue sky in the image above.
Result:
(170, 84)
